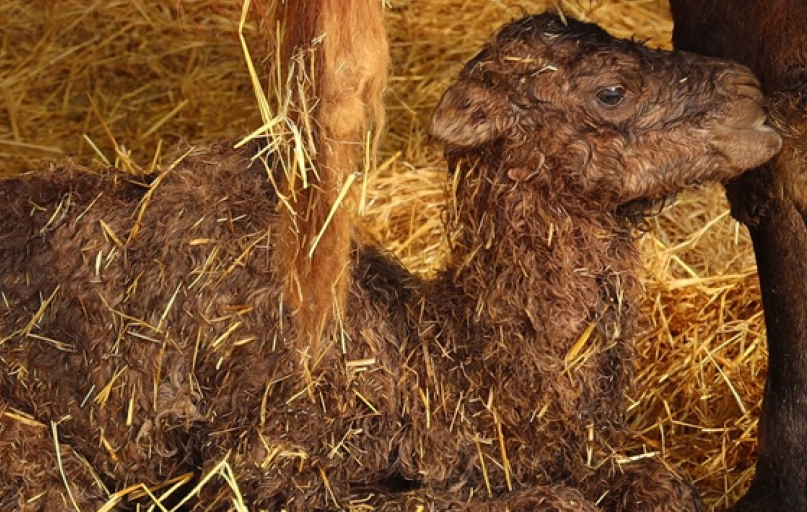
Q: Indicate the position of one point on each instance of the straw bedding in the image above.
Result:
(119, 81)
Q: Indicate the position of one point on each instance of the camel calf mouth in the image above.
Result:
(749, 145)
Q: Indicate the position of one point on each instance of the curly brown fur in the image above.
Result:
(33, 477)
(498, 384)
(769, 37)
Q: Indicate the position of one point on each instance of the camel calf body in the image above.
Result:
(146, 321)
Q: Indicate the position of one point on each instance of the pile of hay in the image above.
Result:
(119, 81)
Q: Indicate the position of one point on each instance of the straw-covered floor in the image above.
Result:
(120, 81)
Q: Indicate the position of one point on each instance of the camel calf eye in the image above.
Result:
(611, 96)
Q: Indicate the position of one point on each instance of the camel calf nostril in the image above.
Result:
(739, 82)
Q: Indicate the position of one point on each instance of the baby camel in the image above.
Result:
(143, 331)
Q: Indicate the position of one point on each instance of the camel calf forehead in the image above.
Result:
(569, 48)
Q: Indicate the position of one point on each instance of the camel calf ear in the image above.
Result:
(470, 115)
